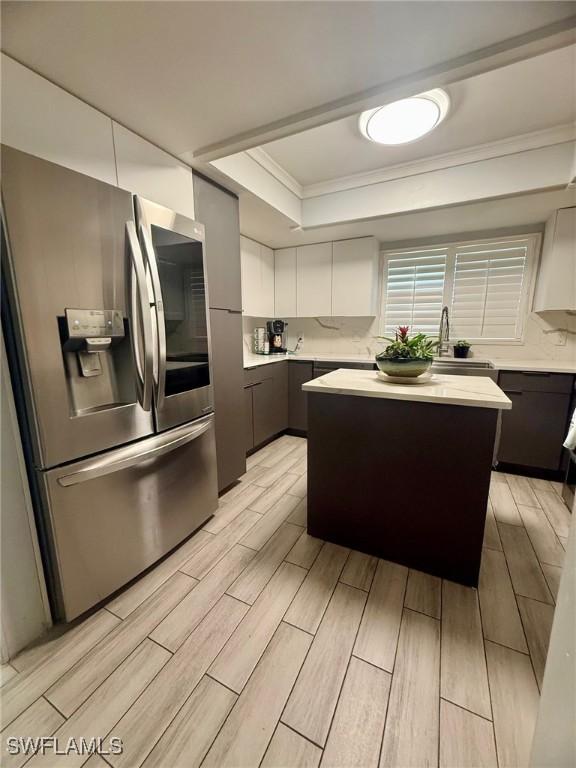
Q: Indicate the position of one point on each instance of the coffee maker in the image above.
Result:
(276, 336)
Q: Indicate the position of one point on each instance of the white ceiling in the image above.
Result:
(528, 96)
(187, 75)
(265, 224)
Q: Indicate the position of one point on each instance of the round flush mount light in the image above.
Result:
(406, 120)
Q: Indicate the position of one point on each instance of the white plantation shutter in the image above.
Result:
(489, 285)
(414, 290)
(486, 285)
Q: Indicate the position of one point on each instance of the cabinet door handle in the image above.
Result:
(535, 373)
(513, 392)
(257, 384)
(124, 458)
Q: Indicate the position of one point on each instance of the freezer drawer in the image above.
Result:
(112, 516)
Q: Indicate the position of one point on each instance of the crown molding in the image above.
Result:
(510, 146)
(263, 159)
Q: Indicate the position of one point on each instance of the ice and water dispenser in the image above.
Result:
(98, 359)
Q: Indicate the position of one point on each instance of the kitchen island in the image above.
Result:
(403, 471)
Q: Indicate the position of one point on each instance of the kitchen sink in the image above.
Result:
(455, 366)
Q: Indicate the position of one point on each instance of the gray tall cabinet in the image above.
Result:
(217, 209)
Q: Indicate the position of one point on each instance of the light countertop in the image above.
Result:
(253, 361)
(547, 366)
(472, 391)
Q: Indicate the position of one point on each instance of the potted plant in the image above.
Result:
(406, 356)
(461, 348)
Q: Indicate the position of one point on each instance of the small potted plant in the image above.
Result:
(461, 348)
(406, 356)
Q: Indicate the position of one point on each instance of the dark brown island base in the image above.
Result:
(403, 472)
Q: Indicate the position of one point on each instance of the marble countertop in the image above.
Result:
(253, 361)
(548, 366)
(472, 391)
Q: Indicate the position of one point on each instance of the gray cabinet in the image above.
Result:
(217, 209)
(248, 419)
(299, 372)
(227, 370)
(268, 401)
(533, 431)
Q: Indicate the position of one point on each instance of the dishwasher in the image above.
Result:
(464, 367)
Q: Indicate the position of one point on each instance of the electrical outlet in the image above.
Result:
(560, 337)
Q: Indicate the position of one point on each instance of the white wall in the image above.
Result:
(537, 169)
(24, 606)
(356, 335)
(244, 170)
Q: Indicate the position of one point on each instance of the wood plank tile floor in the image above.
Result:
(255, 644)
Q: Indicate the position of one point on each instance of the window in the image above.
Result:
(486, 285)
(414, 292)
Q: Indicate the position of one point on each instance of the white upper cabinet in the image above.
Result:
(267, 291)
(556, 281)
(40, 118)
(43, 120)
(314, 280)
(337, 279)
(355, 277)
(285, 282)
(250, 268)
(152, 173)
(257, 262)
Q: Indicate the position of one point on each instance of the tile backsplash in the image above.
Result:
(547, 336)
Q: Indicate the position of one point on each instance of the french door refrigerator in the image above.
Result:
(105, 316)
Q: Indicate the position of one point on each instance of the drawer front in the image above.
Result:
(298, 373)
(318, 371)
(109, 523)
(256, 375)
(276, 371)
(270, 410)
(536, 381)
(322, 368)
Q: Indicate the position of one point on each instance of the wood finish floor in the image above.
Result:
(255, 644)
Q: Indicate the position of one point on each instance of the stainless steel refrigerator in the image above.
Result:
(105, 315)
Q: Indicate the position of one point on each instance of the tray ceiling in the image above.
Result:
(531, 95)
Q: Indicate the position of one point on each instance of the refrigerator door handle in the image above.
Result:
(132, 455)
(144, 326)
(160, 367)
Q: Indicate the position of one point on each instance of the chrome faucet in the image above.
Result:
(297, 347)
(444, 333)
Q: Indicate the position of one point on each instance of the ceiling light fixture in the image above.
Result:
(406, 120)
